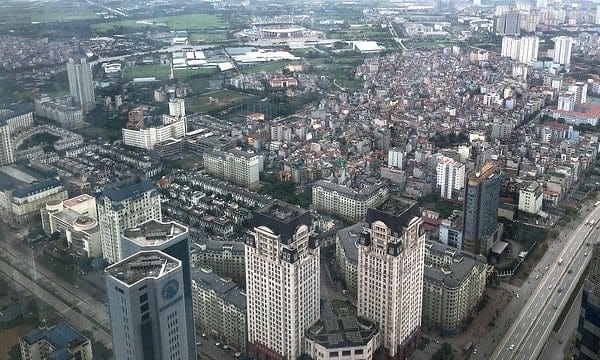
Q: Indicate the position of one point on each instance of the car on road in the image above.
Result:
(559, 290)
(537, 276)
(550, 287)
(517, 296)
(511, 347)
(555, 306)
(570, 271)
(474, 351)
(218, 344)
(584, 254)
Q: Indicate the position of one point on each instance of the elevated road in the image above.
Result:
(526, 337)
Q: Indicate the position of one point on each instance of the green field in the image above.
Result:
(271, 66)
(206, 36)
(17, 12)
(179, 22)
(162, 72)
(222, 99)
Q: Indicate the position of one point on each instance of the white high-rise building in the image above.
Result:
(147, 307)
(81, 84)
(123, 207)
(541, 4)
(579, 90)
(395, 158)
(524, 49)
(562, 50)
(566, 101)
(177, 107)
(450, 176)
(283, 283)
(510, 47)
(528, 49)
(391, 255)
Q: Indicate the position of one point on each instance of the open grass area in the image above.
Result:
(179, 22)
(19, 12)
(215, 100)
(162, 72)
(271, 66)
(360, 34)
(207, 37)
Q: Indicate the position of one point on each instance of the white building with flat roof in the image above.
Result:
(147, 138)
(450, 176)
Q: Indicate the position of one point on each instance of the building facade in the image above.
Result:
(225, 258)
(77, 220)
(453, 287)
(587, 337)
(81, 84)
(349, 204)
(346, 338)
(562, 50)
(60, 341)
(147, 308)
(450, 176)
(239, 167)
(220, 308)
(508, 23)
(391, 254)
(172, 239)
(523, 49)
(346, 255)
(25, 189)
(60, 110)
(148, 138)
(283, 283)
(480, 214)
(177, 107)
(123, 207)
(11, 121)
(531, 197)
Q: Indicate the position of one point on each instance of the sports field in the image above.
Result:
(179, 22)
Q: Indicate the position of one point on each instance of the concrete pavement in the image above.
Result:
(528, 334)
(558, 343)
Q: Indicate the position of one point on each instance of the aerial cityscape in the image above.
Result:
(298, 179)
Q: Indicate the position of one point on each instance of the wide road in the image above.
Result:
(526, 337)
(76, 319)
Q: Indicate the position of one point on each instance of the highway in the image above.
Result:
(526, 337)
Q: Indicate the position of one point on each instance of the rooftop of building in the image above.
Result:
(79, 199)
(220, 246)
(486, 171)
(118, 193)
(282, 218)
(396, 213)
(343, 332)
(362, 193)
(12, 111)
(154, 232)
(454, 274)
(348, 237)
(24, 179)
(224, 288)
(61, 337)
(143, 265)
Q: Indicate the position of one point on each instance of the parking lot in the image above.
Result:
(207, 350)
